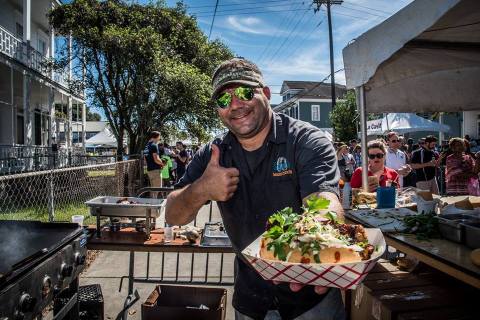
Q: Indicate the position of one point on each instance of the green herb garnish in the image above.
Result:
(282, 227)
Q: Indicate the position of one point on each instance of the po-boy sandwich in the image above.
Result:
(313, 237)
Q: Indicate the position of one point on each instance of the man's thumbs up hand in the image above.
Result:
(219, 183)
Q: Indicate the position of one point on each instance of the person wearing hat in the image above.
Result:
(345, 160)
(264, 163)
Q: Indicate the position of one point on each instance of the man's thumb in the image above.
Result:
(215, 156)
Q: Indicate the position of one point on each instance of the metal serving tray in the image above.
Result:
(472, 234)
(108, 206)
(450, 226)
(214, 235)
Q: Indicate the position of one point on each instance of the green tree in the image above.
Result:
(344, 118)
(147, 67)
(93, 116)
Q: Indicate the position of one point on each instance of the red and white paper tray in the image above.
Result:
(337, 275)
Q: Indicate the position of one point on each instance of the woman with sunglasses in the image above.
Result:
(380, 175)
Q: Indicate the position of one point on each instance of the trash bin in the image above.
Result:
(169, 302)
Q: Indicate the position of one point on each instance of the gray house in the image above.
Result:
(309, 101)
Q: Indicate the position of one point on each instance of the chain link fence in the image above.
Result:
(57, 194)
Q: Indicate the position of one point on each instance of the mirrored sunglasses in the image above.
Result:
(243, 93)
(373, 156)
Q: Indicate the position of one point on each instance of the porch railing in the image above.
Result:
(18, 159)
(21, 51)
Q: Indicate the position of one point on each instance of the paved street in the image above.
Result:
(110, 266)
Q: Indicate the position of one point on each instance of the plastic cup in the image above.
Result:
(78, 219)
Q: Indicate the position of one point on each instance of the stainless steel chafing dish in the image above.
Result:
(129, 207)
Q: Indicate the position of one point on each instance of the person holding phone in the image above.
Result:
(378, 173)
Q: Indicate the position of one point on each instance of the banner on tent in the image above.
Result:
(374, 127)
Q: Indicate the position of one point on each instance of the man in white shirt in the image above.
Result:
(396, 159)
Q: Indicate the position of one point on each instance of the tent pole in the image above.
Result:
(360, 93)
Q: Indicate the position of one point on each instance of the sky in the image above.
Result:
(286, 38)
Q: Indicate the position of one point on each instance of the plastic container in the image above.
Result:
(386, 197)
(168, 233)
(78, 219)
(347, 196)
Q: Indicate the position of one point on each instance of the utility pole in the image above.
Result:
(328, 4)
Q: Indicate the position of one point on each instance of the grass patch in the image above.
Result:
(101, 173)
(63, 213)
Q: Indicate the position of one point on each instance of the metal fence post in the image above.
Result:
(51, 197)
(140, 165)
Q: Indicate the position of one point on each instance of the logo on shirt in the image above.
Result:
(281, 167)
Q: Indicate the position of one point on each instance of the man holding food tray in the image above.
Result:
(265, 162)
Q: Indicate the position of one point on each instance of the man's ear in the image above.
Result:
(266, 92)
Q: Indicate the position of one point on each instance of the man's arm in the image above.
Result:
(157, 160)
(215, 183)
(183, 204)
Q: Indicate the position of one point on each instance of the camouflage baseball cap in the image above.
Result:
(236, 70)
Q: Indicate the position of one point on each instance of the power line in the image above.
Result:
(288, 37)
(304, 38)
(240, 4)
(370, 8)
(289, 19)
(363, 11)
(302, 94)
(247, 8)
(251, 13)
(213, 20)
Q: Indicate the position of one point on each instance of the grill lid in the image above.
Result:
(25, 242)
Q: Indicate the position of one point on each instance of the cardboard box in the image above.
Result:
(388, 304)
(183, 302)
(361, 304)
(336, 275)
(440, 314)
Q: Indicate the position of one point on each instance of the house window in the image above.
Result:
(315, 113)
(42, 47)
(19, 30)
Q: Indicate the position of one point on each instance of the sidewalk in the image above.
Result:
(110, 266)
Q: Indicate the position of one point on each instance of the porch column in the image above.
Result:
(27, 112)
(52, 128)
(68, 131)
(84, 124)
(27, 12)
(52, 50)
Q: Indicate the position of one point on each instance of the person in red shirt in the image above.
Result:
(376, 168)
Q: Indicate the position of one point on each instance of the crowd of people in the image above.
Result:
(165, 164)
(400, 162)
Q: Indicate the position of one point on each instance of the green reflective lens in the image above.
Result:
(242, 93)
(223, 101)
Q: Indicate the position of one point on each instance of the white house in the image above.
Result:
(30, 95)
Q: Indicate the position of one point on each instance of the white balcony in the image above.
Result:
(27, 55)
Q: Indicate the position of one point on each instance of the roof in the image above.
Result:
(313, 89)
(308, 90)
(91, 126)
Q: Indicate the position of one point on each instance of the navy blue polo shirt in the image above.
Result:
(295, 161)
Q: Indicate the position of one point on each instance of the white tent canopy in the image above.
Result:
(424, 58)
(103, 138)
(403, 123)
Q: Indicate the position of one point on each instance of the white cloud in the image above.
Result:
(247, 25)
